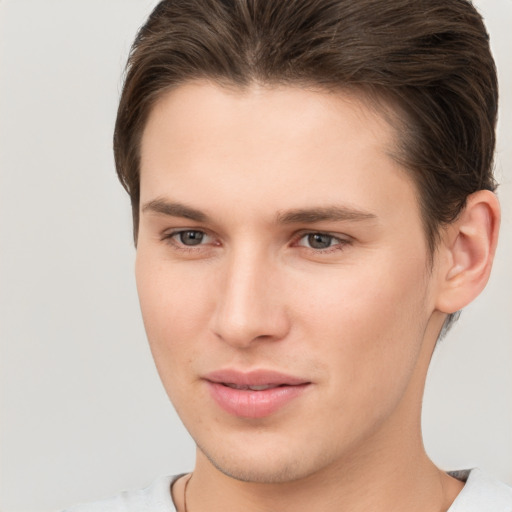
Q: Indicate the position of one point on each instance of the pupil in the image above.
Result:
(191, 237)
(319, 241)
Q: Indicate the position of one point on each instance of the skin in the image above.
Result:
(358, 319)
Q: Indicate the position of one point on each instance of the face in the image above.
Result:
(283, 276)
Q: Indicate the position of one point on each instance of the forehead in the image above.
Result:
(285, 146)
(205, 110)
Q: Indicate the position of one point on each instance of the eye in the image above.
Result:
(321, 241)
(189, 237)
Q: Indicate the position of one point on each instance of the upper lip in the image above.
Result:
(260, 377)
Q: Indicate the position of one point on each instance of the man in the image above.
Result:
(312, 194)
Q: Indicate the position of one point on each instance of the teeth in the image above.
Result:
(252, 388)
(261, 388)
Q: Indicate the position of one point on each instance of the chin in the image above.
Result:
(264, 473)
(261, 468)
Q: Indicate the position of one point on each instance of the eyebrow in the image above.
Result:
(328, 213)
(294, 216)
(164, 207)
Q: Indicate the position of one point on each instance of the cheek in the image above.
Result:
(371, 322)
(175, 306)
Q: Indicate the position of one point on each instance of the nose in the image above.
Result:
(251, 302)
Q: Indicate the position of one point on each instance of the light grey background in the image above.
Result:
(83, 414)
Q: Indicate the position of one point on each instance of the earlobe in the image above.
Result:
(467, 252)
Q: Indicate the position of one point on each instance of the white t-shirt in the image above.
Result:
(480, 494)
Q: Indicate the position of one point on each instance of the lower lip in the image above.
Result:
(254, 404)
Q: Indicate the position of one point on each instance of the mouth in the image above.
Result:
(243, 387)
(254, 394)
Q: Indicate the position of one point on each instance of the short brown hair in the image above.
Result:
(430, 59)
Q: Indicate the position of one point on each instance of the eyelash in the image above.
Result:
(171, 238)
(339, 245)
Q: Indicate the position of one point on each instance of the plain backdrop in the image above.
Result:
(83, 414)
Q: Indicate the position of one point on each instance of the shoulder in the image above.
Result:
(482, 493)
(155, 498)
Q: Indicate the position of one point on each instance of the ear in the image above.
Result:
(466, 252)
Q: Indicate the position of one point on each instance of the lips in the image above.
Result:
(254, 394)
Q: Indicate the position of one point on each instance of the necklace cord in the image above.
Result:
(185, 493)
